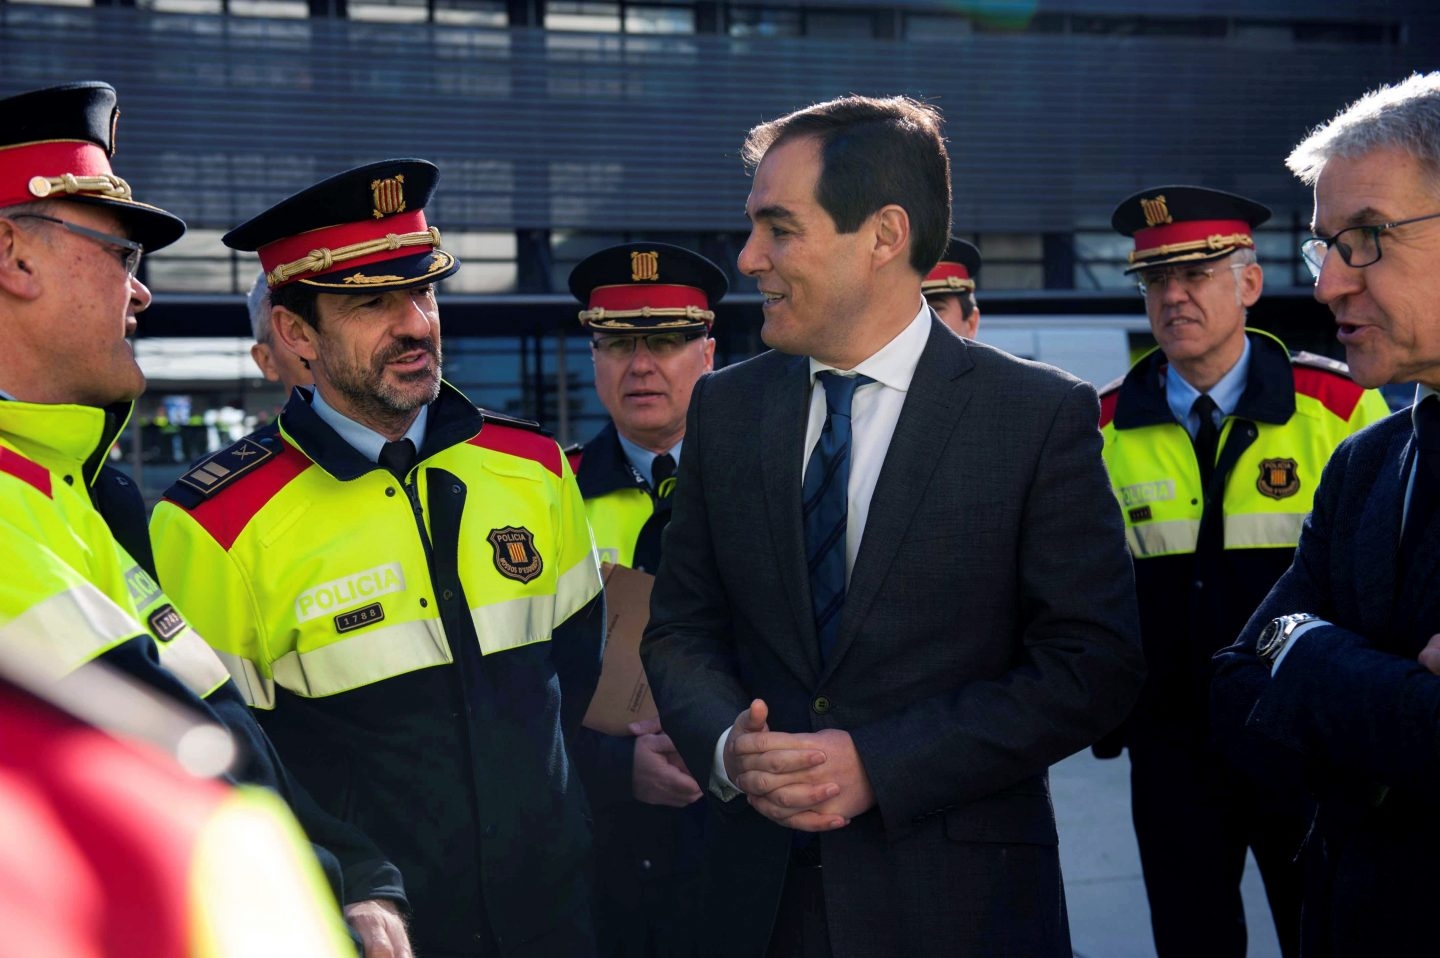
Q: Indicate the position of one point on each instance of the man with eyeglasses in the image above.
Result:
(1214, 442)
(1334, 679)
(71, 238)
(649, 308)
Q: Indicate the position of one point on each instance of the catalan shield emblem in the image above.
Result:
(1279, 478)
(1157, 213)
(388, 196)
(515, 554)
(644, 267)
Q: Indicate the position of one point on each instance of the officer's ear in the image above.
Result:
(294, 333)
(1252, 284)
(18, 251)
(709, 354)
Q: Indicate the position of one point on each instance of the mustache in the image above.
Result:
(409, 345)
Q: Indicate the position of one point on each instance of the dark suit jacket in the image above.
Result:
(1350, 710)
(989, 631)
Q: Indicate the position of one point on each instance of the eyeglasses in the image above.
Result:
(1361, 249)
(129, 250)
(1190, 277)
(659, 344)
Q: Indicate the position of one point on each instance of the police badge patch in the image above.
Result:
(515, 554)
(1279, 478)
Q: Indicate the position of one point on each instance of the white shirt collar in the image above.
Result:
(894, 364)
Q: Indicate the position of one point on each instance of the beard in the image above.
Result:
(379, 396)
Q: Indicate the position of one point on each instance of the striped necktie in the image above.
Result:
(825, 498)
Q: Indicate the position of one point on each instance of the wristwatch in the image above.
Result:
(1275, 636)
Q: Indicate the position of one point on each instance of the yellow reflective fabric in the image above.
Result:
(256, 888)
(70, 628)
(327, 586)
(1267, 494)
(616, 518)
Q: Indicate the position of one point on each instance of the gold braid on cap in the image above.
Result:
(933, 287)
(1210, 244)
(105, 184)
(323, 260)
(684, 314)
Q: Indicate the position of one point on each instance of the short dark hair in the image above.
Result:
(873, 152)
(300, 300)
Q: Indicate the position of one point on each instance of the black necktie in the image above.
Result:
(824, 494)
(398, 457)
(1425, 492)
(1207, 437)
(661, 469)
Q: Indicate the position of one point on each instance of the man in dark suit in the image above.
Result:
(896, 729)
(1331, 682)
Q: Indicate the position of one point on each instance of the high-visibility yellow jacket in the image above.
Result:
(625, 514)
(419, 651)
(1205, 558)
(69, 589)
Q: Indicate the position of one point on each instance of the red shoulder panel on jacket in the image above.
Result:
(226, 515)
(26, 470)
(1108, 402)
(1337, 392)
(523, 443)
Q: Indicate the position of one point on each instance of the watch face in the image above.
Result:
(1269, 637)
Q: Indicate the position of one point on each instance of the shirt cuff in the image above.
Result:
(1295, 637)
(720, 785)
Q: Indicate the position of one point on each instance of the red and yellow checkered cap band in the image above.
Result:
(56, 169)
(351, 244)
(947, 277)
(1193, 239)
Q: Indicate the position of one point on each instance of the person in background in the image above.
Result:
(950, 288)
(649, 308)
(1214, 443)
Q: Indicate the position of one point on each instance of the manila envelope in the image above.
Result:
(623, 693)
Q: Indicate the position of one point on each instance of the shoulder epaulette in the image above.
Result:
(518, 437)
(1316, 361)
(515, 421)
(218, 471)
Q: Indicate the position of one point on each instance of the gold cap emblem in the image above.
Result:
(644, 267)
(388, 196)
(1156, 212)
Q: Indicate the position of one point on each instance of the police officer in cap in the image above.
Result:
(403, 584)
(949, 288)
(72, 237)
(649, 310)
(1215, 442)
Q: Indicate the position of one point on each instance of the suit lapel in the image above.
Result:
(932, 409)
(1379, 543)
(782, 440)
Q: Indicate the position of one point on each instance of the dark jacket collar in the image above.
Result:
(453, 420)
(604, 467)
(1269, 387)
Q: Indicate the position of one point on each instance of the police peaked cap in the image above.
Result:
(357, 232)
(647, 287)
(1186, 224)
(956, 272)
(56, 144)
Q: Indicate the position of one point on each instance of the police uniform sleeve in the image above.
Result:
(200, 575)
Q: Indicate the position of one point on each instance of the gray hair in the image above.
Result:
(1401, 116)
(258, 302)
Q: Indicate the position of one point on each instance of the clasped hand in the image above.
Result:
(810, 781)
